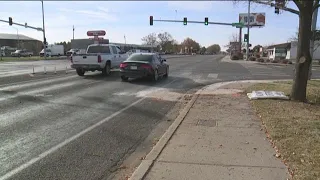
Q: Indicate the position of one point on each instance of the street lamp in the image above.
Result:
(18, 44)
(43, 30)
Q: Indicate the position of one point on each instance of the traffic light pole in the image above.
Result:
(201, 22)
(248, 31)
(26, 26)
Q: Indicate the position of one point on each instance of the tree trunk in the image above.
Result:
(299, 87)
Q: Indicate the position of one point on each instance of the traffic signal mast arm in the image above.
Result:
(201, 22)
(274, 5)
(38, 29)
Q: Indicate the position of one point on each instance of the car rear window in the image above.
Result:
(99, 49)
(140, 57)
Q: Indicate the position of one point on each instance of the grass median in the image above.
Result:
(293, 127)
(32, 58)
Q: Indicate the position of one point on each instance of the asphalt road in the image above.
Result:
(62, 126)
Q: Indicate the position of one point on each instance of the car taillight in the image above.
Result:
(123, 65)
(99, 59)
(146, 66)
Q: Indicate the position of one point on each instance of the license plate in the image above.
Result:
(133, 67)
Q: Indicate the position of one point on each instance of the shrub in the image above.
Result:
(257, 55)
(234, 57)
(260, 60)
(285, 61)
(268, 60)
(252, 58)
(275, 61)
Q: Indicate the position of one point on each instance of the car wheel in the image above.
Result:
(167, 73)
(155, 76)
(47, 55)
(80, 72)
(107, 69)
(123, 78)
(30, 55)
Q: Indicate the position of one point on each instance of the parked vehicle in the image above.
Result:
(140, 65)
(98, 57)
(72, 52)
(22, 53)
(53, 50)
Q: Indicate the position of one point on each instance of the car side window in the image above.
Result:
(114, 50)
(118, 49)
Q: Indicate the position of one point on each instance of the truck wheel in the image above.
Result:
(106, 70)
(80, 72)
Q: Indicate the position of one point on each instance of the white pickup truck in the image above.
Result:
(101, 57)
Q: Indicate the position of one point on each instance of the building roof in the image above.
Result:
(283, 45)
(15, 37)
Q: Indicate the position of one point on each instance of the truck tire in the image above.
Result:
(107, 69)
(80, 72)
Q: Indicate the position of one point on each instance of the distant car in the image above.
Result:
(140, 65)
(22, 53)
(72, 52)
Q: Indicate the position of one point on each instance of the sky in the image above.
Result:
(131, 19)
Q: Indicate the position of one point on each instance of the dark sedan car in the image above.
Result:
(140, 65)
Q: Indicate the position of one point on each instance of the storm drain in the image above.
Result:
(208, 123)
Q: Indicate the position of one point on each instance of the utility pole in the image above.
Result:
(313, 29)
(240, 38)
(248, 31)
(44, 34)
(125, 40)
(73, 32)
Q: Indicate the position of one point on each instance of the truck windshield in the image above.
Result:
(98, 49)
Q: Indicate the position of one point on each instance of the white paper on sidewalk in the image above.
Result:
(267, 95)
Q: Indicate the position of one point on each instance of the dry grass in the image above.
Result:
(294, 128)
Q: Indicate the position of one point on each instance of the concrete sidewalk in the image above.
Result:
(218, 137)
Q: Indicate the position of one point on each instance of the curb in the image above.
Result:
(274, 64)
(147, 163)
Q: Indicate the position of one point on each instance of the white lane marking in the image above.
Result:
(214, 76)
(36, 83)
(37, 91)
(65, 142)
(36, 80)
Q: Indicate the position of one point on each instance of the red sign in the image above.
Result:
(96, 33)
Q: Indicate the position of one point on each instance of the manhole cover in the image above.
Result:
(209, 123)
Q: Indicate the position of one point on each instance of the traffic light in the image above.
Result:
(276, 10)
(246, 38)
(206, 21)
(151, 20)
(185, 21)
(10, 21)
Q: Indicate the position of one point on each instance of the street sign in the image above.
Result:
(96, 33)
(255, 19)
(238, 24)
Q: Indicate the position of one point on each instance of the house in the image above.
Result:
(289, 51)
(279, 51)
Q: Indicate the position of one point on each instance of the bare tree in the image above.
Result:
(214, 49)
(303, 60)
(150, 39)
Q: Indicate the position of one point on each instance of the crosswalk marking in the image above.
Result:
(213, 76)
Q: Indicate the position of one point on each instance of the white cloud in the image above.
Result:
(190, 5)
(91, 13)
